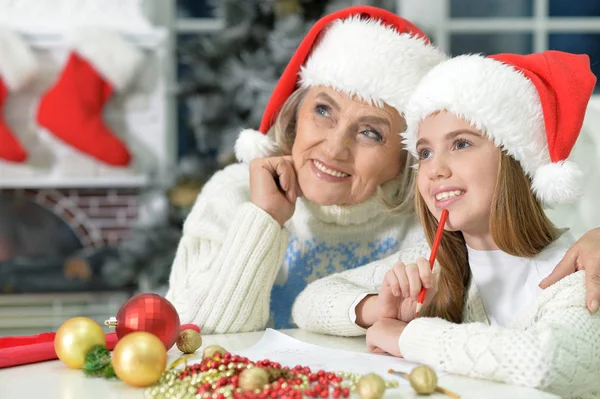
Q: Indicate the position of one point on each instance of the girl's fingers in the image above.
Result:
(425, 272)
(400, 272)
(414, 280)
(392, 281)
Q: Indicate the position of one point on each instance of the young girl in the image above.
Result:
(492, 136)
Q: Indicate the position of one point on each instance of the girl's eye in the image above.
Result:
(322, 110)
(424, 154)
(372, 134)
(460, 144)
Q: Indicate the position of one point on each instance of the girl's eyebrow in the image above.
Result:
(450, 135)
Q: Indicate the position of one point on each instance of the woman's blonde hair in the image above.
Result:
(283, 133)
(518, 225)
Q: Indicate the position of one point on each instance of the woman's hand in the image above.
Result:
(583, 255)
(383, 336)
(397, 298)
(274, 187)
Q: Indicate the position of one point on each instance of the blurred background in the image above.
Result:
(78, 237)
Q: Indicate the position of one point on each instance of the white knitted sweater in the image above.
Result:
(237, 270)
(554, 345)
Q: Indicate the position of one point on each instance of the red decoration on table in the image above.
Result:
(20, 350)
(190, 327)
(148, 312)
(15, 351)
(434, 249)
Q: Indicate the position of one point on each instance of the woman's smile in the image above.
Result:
(328, 173)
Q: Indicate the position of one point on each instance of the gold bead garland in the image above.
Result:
(218, 377)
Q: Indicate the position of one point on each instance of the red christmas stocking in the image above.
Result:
(99, 64)
(18, 66)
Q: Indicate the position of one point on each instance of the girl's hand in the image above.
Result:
(383, 336)
(398, 295)
(274, 187)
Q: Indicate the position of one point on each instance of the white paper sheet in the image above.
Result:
(290, 352)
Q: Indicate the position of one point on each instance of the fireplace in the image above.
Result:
(62, 221)
(43, 231)
(62, 205)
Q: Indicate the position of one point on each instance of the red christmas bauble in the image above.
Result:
(151, 313)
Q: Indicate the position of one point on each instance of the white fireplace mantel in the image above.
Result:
(140, 115)
(130, 16)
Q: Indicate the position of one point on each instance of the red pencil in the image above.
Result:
(434, 249)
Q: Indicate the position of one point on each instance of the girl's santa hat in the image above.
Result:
(361, 51)
(532, 106)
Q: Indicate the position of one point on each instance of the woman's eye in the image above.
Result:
(461, 144)
(372, 134)
(322, 110)
(424, 154)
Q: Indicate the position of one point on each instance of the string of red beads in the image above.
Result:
(284, 382)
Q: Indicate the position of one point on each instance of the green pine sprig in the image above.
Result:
(97, 363)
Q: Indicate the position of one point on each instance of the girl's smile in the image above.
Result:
(446, 195)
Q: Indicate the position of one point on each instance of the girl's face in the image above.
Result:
(345, 148)
(458, 169)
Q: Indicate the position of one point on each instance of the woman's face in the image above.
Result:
(345, 148)
(458, 169)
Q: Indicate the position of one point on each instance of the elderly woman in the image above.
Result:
(310, 198)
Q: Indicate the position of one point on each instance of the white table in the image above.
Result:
(53, 379)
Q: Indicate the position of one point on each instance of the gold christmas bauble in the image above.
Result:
(253, 378)
(139, 359)
(370, 386)
(188, 341)
(212, 350)
(74, 338)
(423, 380)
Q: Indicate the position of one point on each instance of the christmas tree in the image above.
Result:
(226, 78)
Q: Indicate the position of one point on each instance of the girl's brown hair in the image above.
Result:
(518, 225)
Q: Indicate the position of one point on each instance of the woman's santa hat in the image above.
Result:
(361, 51)
(532, 106)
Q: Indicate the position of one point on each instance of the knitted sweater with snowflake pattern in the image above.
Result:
(236, 269)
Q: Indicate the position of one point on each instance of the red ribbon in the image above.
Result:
(15, 351)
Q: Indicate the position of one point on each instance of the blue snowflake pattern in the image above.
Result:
(309, 260)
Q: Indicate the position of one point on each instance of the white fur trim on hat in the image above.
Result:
(501, 102)
(116, 59)
(18, 64)
(370, 60)
(252, 144)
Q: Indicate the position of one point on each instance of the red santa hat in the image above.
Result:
(360, 51)
(532, 106)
